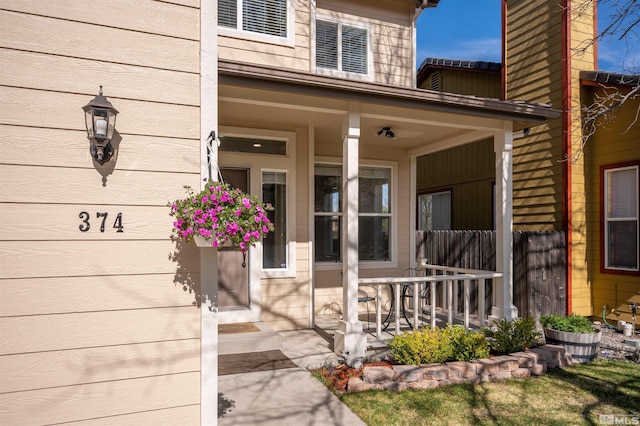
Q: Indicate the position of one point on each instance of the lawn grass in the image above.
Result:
(575, 395)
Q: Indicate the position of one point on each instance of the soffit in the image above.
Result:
(276, 99)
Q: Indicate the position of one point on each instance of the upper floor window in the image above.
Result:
(271, 18)
(342, 49)
(620, 207)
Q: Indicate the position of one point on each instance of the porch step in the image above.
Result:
(247, 337)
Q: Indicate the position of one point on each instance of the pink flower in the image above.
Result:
(247, 237)
(232, 228)
(246, 202)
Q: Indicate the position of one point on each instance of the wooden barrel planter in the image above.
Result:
(583, 347)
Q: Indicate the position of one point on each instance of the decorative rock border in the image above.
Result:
(534, 362)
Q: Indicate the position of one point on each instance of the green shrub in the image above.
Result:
(421, 347)
(506, 337)
(572, 323)
(426, 346)
(466, 344)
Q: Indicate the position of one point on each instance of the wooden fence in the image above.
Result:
(539, 264)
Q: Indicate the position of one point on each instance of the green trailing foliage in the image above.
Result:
(506, 337)
(572, 323)
(438, 345)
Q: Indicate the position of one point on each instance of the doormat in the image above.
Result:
(252, 362)
(241, 327)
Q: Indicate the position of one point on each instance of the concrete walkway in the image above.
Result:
(285, 397)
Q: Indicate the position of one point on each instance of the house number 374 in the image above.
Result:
(102, 220)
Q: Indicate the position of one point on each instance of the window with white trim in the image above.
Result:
(342, 48)
(274, 244)
(434, 211)
(267, 17)
(621, 237)
(374, 217)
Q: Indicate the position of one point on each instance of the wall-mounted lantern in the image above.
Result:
(100, 119)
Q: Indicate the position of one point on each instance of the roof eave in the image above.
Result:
(523, 114)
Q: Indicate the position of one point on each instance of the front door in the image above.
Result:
(233, 267)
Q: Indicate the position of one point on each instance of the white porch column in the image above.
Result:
(349, 340)
(503, 287)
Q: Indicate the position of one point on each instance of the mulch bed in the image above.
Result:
(336, 378)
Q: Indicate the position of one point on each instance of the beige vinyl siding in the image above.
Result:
(533, 61)
(68, 38)
(296, 57)
(391, 35)
(611, 145)
(97, 326)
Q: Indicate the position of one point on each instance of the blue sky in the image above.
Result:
(471, 30)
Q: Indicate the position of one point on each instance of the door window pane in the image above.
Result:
(274, 244)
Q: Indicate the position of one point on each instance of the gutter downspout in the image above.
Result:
(503, 69)
(414, 44)
(424, 4)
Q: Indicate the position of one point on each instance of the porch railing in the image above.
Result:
(440, 278)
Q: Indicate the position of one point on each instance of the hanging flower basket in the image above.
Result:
(220, 215)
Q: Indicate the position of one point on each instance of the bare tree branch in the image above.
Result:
(602, 111)
(623, 24)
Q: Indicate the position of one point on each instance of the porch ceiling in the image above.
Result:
(422, 121)
(410, 134)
